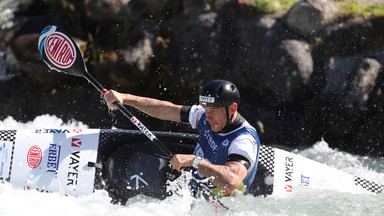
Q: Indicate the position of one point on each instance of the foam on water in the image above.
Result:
(362, 166)
(302, 202)
(43, 121)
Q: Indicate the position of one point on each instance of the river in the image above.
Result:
(303, 201)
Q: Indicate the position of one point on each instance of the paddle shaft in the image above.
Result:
(166, 152)
(207, 194)
(76, 66)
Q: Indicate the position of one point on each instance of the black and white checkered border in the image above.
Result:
(267, 158)
(9, 135)
(369, 186)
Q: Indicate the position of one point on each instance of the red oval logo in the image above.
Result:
(60, 50)
(34, 156)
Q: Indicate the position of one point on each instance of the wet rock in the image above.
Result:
(303, 74)
(353, 36)
(360, 83)
(309, 17)
(292, 67)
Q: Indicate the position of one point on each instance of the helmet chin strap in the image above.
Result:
(229, 118)
(228, 124)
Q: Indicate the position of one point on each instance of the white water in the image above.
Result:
(302, 202)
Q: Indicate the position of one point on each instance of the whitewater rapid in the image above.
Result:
(303, 201)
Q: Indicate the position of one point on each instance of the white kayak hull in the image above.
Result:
(65, 161)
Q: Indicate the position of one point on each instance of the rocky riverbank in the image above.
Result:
(305, 73)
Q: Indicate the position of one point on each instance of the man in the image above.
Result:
(228, 146)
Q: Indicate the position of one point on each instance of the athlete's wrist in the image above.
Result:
(197, 160)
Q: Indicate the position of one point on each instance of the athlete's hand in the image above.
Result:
(112, 96)
(180, 161)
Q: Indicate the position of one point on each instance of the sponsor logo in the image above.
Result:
(288, 188)
(288, 174)
(304, 180)
(138, 180)
(225, 143)
(34, 156)
(77, 130)
(216, 206)
(210, 140)
(53, 158)
(143, 129)
(60, 50)
(73, 169)
(42, 131)
(76, 142)
(205, 99)
(2, 150)
(40, 190)
(3, 158)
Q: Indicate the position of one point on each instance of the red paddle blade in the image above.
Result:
(60, 52)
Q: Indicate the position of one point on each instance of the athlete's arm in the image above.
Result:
(156, 108)
(227, 177)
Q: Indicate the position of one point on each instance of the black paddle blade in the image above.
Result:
(60, 52)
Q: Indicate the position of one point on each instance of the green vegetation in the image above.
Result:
(317, 46)
(349, 8)
(355, 9)
(270, 6)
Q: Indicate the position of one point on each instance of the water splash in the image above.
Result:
(46, 121)
(7, 10)
(6, 16)
(183, 198)
(370, 168)
(302, 202)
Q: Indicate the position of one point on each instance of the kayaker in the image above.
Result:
(228, 146)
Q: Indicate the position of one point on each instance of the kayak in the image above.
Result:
(125, 163)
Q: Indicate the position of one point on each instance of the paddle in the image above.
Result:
(61, 53)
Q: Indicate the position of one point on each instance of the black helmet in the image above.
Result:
(219, 93)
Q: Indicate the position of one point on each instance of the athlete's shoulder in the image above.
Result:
(249, 132)
(195, 114)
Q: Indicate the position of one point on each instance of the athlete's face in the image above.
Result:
(217, 118)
